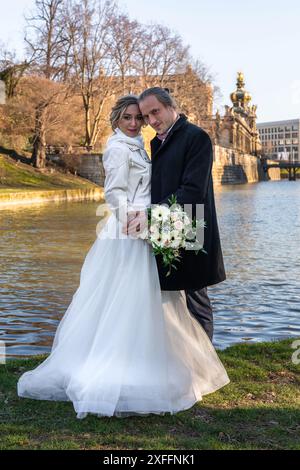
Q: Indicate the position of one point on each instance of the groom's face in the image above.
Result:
(157, 115)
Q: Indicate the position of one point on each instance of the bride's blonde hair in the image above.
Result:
(119, 109)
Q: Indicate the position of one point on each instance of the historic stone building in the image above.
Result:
(235, 137)
(237, 128)
(236, 141)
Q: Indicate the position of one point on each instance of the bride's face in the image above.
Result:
(131, 121)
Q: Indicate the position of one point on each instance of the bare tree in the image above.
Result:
(46, 40)
(88, 24)
(124, 39)
(193, 93)
(172, 54)
(206, 76)
(48, 47)
(40, 114)
(160, 53)
(145, 56)
(47, 115)
(11, 70)
(91, 51)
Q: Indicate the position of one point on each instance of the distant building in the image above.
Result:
(237, 128)
(280, 139)
(193, 96)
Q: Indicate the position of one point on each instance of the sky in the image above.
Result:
(261, 38)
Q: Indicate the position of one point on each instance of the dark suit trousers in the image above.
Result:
(200, 307)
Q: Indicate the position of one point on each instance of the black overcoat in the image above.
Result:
(182, 165)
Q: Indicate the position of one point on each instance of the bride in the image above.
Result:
(123, 346)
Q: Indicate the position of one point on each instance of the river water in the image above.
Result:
(43, 248)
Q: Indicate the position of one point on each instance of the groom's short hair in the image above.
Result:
(162, 95)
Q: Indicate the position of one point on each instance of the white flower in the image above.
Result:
(178, 225)
(165, 237)
(156, 238)
(160, 213)
(176, 239)
(154, 229)
(154, 234)
(175, 216)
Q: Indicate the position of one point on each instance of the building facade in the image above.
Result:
(235, 137)
(280, 139)
(237, 129)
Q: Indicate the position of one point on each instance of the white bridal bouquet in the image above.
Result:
(171, 229)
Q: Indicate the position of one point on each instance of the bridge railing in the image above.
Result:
(279, 160)
(275, 160)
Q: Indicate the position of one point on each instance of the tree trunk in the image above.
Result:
(38, 157)
(88, 138)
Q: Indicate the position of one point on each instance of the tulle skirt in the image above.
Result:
(123, 346)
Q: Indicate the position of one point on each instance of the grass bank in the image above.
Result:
(259, 409)
(18, 176)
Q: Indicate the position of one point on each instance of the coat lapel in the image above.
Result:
(156, 144)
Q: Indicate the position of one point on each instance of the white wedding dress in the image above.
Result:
(124, 347)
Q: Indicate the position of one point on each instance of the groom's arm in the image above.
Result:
(195, 178)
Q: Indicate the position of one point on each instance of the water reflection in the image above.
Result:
(43, 248)
(260, 230)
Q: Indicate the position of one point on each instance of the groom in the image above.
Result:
(182, 158)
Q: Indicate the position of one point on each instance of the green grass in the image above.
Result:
(259, 409)
(22, 177)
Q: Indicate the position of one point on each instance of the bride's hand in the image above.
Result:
(131, 215)
(138, 226)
